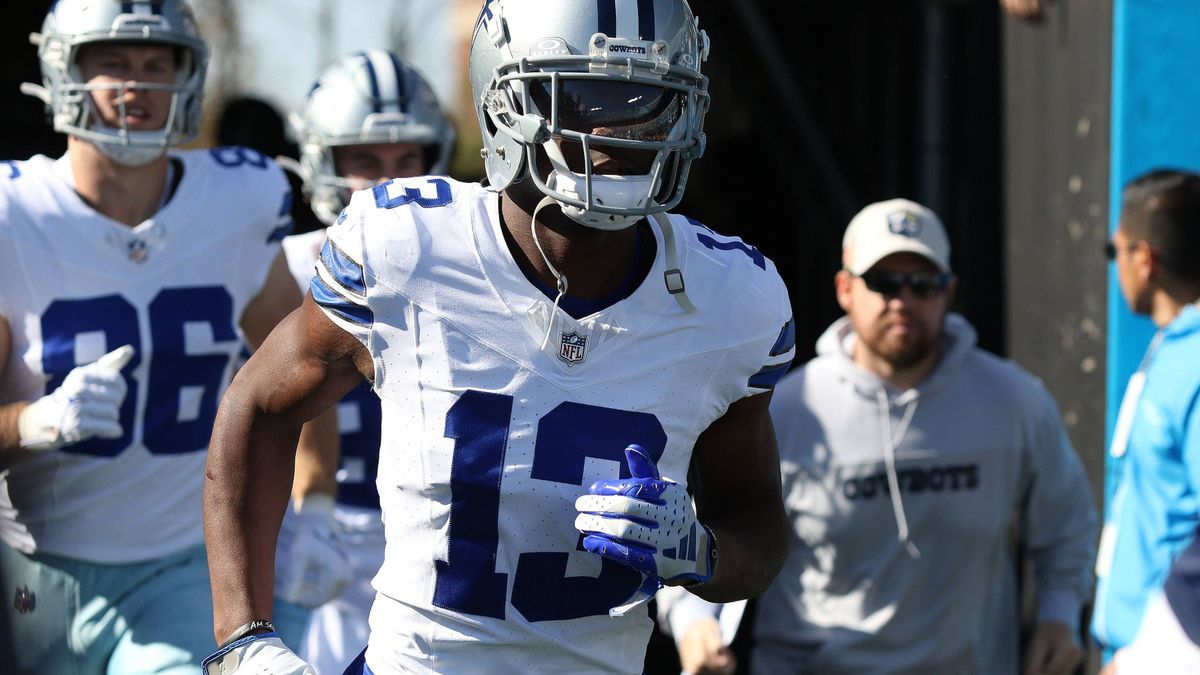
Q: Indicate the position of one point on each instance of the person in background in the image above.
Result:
(909, 458)
(132, 274)
(1155, 448)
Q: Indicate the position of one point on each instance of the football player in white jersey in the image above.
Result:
(557, 358)
(369, 117)
(131, 275)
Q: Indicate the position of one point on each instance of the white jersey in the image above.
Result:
(488, 439)
(301, 251)
(74, 285)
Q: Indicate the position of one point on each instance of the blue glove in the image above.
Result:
(648, 523)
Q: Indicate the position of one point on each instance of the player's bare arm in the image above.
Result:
(305, 366)
(10, 438)
(735, 480)
(317, 450)
(278, 297)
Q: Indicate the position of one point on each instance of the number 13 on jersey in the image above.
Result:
(568, 435)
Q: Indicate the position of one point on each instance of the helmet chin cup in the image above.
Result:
(142, 148)
(626, 192)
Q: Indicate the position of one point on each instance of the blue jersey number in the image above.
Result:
(185, 373)
(567, 436)
(360, 449)
(67, 322)
(413, 195)
(707, 238)
(235, 155)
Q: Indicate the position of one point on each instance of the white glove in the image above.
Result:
(314, 569)
(648, 523)
(263, 654)
(87, 404)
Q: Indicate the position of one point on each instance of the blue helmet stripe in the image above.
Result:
(374, 81)
(606, 12)
(401, 83)
(646, 19)
(128, 7)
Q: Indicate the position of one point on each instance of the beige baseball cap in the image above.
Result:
(894, 226)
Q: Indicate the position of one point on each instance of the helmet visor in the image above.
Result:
(612, 108)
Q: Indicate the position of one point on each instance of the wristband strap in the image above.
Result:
(247, 628)
(711, 557)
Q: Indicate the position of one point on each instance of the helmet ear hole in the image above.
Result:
(489, 127)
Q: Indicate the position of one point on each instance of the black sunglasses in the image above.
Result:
(1110, 249)
(922, 284)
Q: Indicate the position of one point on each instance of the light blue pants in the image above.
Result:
(82, 618)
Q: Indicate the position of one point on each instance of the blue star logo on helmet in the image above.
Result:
(572, 348)
(904, 223)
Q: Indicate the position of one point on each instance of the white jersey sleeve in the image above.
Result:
(9, 170)
(339, 286)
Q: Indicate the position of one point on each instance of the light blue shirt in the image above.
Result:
(1156, 507)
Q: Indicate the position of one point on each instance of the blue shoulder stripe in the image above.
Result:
(344, 270)
(787, 339)
(333, 301)
(769, 376)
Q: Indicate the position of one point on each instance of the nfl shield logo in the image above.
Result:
(572, 348)
(138, 250)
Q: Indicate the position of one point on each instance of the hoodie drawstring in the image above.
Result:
(890, 440)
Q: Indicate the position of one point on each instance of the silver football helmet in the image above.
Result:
(561, 79)
(368, 97)
(71, 24)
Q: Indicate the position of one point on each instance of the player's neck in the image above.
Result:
(127, 194)
(594, 261)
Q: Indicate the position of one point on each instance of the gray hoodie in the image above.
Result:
(921, 580)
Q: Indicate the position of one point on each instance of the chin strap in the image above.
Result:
(673, 277)
(560, 278)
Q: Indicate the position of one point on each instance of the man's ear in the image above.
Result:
(1146, 260)
(842, 282)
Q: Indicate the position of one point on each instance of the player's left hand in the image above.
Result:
(315, 568)
(648, 523)
(702, 650)
(256, 655)
(1052, 650)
